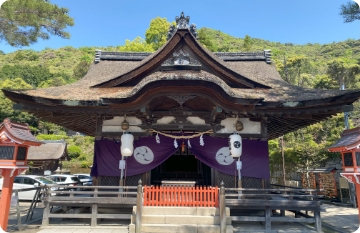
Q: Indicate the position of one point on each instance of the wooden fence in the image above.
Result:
(98, 196)
(181, 196)
(271, 200)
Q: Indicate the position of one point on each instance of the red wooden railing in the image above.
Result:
(181, 196)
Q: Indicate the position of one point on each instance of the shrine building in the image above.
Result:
(181, 104)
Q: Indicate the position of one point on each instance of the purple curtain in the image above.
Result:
(149, 154)
(215, 153)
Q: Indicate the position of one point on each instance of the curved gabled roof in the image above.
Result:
(350, 139)
(17, 133)
(119, 83)
(182, 38)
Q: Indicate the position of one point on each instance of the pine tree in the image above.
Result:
(23, 22)
(350, 12)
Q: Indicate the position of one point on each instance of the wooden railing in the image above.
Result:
(181, 196)
(93, 197)
(269, 200)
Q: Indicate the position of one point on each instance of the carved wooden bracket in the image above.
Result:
(181, 99)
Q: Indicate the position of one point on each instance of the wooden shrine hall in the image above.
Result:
(183, 89)
(181, 104)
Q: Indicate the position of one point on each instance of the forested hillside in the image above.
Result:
(325, 66)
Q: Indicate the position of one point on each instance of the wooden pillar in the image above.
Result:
(317, 219)
(358, 198)
(6, 197)
(46, 213)
(139, 206)
(268, 218)
(222, 208)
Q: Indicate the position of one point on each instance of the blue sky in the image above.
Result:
(111, 22)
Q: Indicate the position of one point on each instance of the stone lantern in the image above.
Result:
(15, 139)
(349, 147)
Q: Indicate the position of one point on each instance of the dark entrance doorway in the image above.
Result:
(182, 166)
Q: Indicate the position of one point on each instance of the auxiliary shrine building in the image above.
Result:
(181, 103)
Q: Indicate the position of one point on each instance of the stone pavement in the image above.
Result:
(343, 219)
(334, 218)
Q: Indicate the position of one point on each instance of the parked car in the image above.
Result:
(86, 179)
(68, 180)
(28, 181)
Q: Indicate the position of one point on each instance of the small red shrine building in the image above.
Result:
(15, 140)
(349, 147)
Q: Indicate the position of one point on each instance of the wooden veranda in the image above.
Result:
(270, 203)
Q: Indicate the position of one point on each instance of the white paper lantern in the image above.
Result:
(127, 147)
(235, 145)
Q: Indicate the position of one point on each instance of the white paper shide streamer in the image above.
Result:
(157, 138)
(202, 140)
(175, 144)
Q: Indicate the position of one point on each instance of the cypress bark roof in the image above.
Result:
(259, 71)
(50, 150)
(142, 84)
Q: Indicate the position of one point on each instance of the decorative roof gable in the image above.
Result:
(181, 52)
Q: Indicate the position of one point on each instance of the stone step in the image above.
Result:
(171, 210)
(182, 219)
(189, 228)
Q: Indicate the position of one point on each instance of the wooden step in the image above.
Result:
(189, 228)
(159, 210)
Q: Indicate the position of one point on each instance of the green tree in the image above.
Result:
(55, 82)
(324, 81)
(33, 75)
(316, 137)
(206, 40)
(248, 43)
(50, 128)
(344, 72)
(74, 151)
(350, 12)
(23, 22)
(6, 106)
(295, 70)
(50, 137)
(157, 32)
(137, 45)
(81, 69)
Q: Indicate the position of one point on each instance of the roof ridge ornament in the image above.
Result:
(182, 22)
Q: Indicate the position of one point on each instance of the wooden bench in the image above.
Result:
(100, 196)
(269, 200)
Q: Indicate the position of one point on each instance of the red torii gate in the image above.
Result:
(15, 138)
(349, 147)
